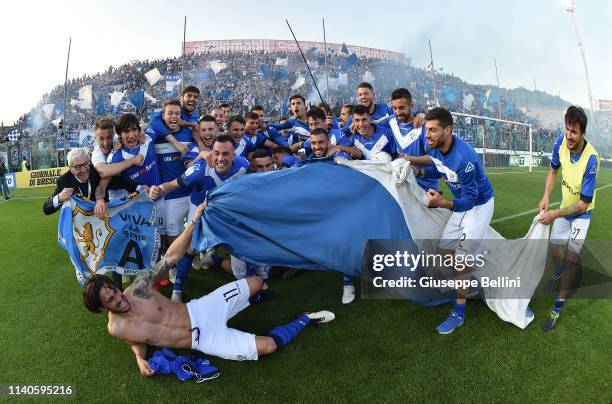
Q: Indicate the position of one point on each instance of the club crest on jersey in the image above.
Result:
(92, 236)
(593, 170)
(469, 167)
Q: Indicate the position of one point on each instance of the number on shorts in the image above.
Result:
(575, 232)
(230, 293)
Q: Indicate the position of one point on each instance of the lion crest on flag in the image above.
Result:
(92, 236)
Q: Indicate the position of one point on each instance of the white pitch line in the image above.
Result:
(503, 219)
(23, 198)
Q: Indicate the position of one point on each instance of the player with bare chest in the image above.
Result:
(142, 316)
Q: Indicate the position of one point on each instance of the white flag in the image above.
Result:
(116, 97)
(368, 77)
(56, 122)
(468, 100)
(48, 110)
(282, 62)
(216, 66)
(153, 76)
(298, 83)
(86, 96)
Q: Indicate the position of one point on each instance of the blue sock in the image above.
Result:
(182, 269)
(250, 270)
(216, 258)
(284, 334)
(347, 280)
(557, 271)
(558, 305)
(460, 310)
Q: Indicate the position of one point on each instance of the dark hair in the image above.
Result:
(401, 92)
(361, 110)
(316, 113)
(170, 102)
(349, 106)
(282, 149)
(224, 105)
(576, 115)
(294, 96)
(441, 115)
(126, 122)
(320, 131)
(256, 108)
(224, 138)
(208, 118)
(235, 118)
(365, 84)
(325, 107)
(190, 89)
(252, 116)
(259, 153)
(104, 123)
(91, 292)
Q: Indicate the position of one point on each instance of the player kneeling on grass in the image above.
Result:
(579, 166)
(140, 315)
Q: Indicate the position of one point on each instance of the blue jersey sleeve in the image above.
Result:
(249, 146)
(151, 133)
(335, 124)
(157, 125)
(346, 129)
(469, 188)
(385, 122)
(192, 152)
(193, 175)
(588, 180)
(281, 126)
(554, 161)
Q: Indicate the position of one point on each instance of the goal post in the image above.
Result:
(499, 142)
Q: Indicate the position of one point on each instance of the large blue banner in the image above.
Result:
(125, 242)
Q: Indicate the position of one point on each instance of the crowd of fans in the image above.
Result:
(243, 83)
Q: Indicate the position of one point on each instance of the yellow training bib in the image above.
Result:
(572, 174)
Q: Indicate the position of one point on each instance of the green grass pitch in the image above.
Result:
(374, 350)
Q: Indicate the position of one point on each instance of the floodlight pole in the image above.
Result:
(498, 92)
(326, 67)
(65, 123)
(570, 7)
(433, 75)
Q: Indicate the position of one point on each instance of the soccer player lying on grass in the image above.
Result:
(142, 316)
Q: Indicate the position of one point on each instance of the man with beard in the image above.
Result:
(457, 163)
(199, 179)
(579, 164)
(141, 316)
(408, 139)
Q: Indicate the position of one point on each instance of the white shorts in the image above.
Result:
(160, 223)
(573, 232)
(176, 213)
(209, 315)
(470, 225)
(239, 268)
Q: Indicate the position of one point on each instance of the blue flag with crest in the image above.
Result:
(125, 242)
